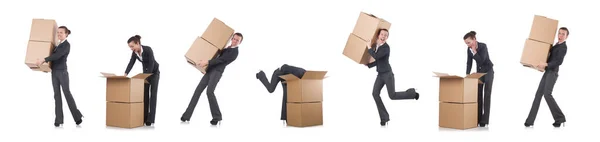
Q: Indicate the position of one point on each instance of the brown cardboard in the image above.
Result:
(218, 33)
(200, 50)
(304, 114)
(43, 30)
(307, 89)
(124, 115)
(458, 89)
(38, 50)
(367, 25)
(458, 116)
(543, 29)
(534, 53)
(356, 49)
(125, 89)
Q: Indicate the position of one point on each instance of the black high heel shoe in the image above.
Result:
(184, 120)
(417, 97)
(79, 121)
(558, 124)
(384, 122)
(57, 124)
(148, 124)
(482, 125)
(528, 125)
(214, 122)
(259, 74)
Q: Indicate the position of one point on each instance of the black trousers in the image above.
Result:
(150, 93)
(60, 78)
(484, 93)
(271, 86)
(387, 79)
(210, 79)
(545, 89)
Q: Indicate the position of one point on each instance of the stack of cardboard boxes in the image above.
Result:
(305, 99)
(205, 47)
(458, 100)
(364, 31)
(540, 40)
(41, 43)
(125, 100)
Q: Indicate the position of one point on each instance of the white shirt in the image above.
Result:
(379, 45)
(60, 42)
(140, 54)
(471, 49)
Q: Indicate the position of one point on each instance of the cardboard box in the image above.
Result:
(124, 89)
(38, 50)
(364, 31)
(42, 38)
(218, 33)
(43, 30)
(304, 114)
(367, 26)
(543, 29)
(534, 53)
(124, 115)
(356, 49)
(200, 50)
(307, 89)
(457, 89)
(457, 115)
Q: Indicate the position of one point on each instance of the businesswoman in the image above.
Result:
(60, 77)
(214, 71)
(145, 55)
(381, 52)
(283, 70)
(479, 52)
(555, 59)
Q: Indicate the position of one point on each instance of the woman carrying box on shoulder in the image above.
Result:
(381, 52)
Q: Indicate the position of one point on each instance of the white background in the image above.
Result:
(425, 36)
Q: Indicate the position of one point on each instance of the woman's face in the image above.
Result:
(134, 46)
(471, 42)
(62, 34)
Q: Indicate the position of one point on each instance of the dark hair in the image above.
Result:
(240, 35)
(471, 35)
(565, 28)
(67, 31)
(135, 39)
(379, 31)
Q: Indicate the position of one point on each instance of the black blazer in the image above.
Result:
(58, 57)
(296, 71)
(148, 61)
(556, 56)
(484, 64)
(382, 58)
(224, 58)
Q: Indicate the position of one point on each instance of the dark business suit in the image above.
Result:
(484, 91)
(555, 59)
(60, 78)
(215, 69)
(385, 76)
(283, 70)
(149, 65)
